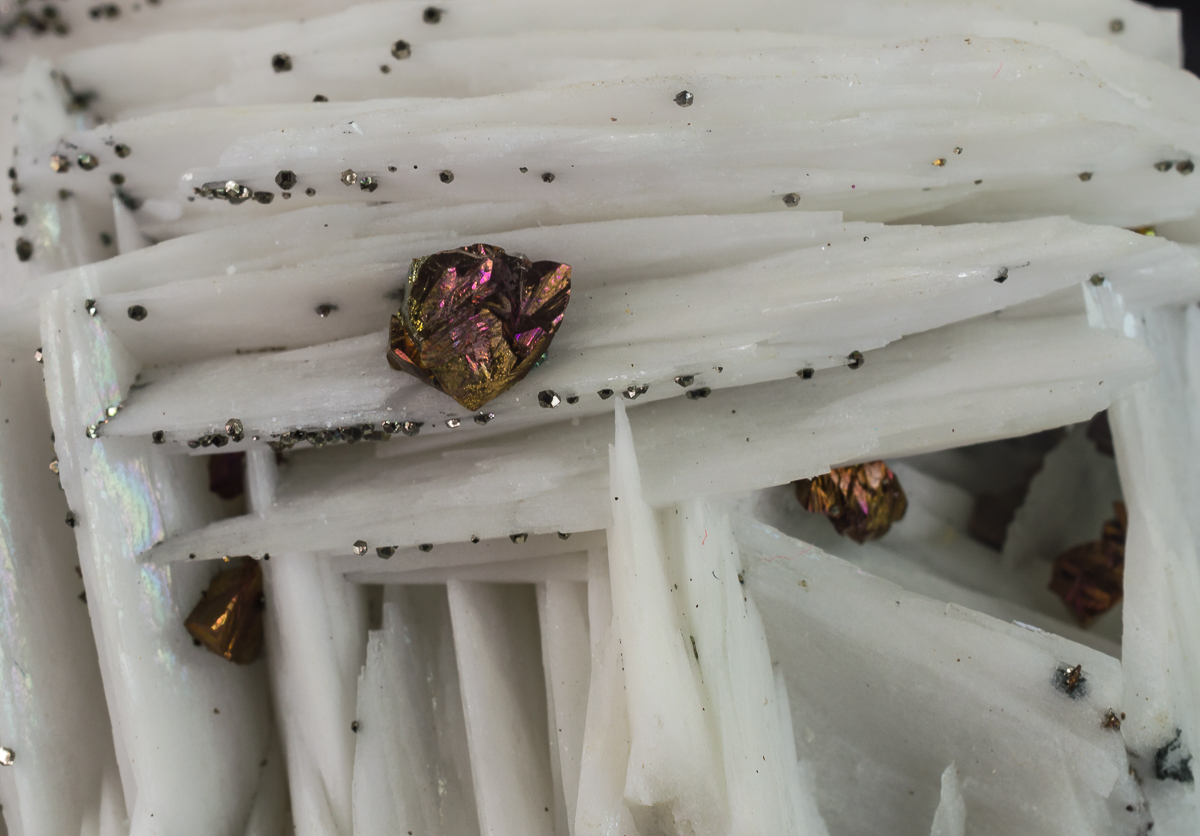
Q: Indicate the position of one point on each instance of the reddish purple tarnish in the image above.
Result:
(475, 320)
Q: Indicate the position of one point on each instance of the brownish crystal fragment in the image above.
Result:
(229, 618)
(1090, 578)
(476, 320)
(862, 500)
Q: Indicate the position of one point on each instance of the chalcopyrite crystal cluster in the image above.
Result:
(853, 492)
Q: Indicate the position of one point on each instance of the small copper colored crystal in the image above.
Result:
(229, 618)
(1090, 577)
(475, 321)
(862, 500)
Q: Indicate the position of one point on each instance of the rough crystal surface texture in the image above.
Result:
(476, 320)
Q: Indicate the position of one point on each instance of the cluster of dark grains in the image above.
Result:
(322, 437)
(697, 394)
(35, 23)
(409, 428)
(484, 417)
(231, 191)
(1085, 176)
(108, 10)
(210, 440)
(1173, 762)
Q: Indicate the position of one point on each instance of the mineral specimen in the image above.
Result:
(1090, 577)
(476, 320)
(229, 618)
(862, 500)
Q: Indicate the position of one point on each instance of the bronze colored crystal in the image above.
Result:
(862, 500)
(1090, 578)
(476, 320)
(229, 618)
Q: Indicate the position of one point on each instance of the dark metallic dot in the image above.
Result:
(426, 547)
(368, 184)
(548, 177)
(1085, 176)
(605, 394)
(325, 309)
(1164, 165)
(88, 161)
(354, 727)
(349, 177)
(855, 359)
(1185, 166)
(1001, 276)
(1097, 279)
(572, 399)
(281, 62)
(12, 173)
(401, 49)
(523, 537)
(524, 170)
(286, 195)
(548, 399)
(791, 199)
(121, 150)
(564, 535)
(286, 179)
(117, 179)
(697, 394)
(385, 69)
(1116, 26)
(806, 373)
(310, 191)
(70, 520)
(446, 176)
(392, 168)
(432, 14)
(264, 197)
(106, 239)
(484, 417)
(319, 98)
(24, 249)
(634, 391)
(684, 99)
(20, 219)
(137, 313)
(89, 305)
(385, 551)
(158, 437)
(685, 380)
(63, 194)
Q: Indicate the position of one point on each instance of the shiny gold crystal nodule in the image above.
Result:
(862, 500)
(229, 618)
(475, 320)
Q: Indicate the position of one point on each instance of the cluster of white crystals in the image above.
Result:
(803, 235)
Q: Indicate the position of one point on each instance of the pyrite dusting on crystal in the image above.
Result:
(286, 179)
(411, 428)
(474, 321)
(685, 380)
(791, 199)
(158, 437)
(1085, 176)
(426, 547)
(229, 618)
(349, 177)
(70, 519)
(684, 99)
(484, 417)
(368, 184)
(564, 535)
(861, 500)
(281, 62)
(548, 399)
(385, 552)
(1070, 680)
(24, 249)
(360, 546)
(401, 49)
(54, 466)
(1185, 166)
(1090, 578)
(1164, 165)
(111, 411)
(92, 431)
(264, 197)
(634, 391)
(548, 177)
(325, 309)
(121, 150)
(697, 394)
(446, 176)
(59, 163)
(234, 429)
(1116, 26)
(605, 394)
(87, 161)
(136, 312)
(572, 399)
(38, 356)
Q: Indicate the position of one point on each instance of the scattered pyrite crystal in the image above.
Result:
(229, 618)
(861, 500)
(1090, 578)
(474, 321)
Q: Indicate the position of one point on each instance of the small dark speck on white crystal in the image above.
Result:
(548, 177)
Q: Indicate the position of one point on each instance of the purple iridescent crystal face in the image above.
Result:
(475, 320)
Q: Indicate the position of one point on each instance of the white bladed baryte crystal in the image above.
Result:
(941, 234)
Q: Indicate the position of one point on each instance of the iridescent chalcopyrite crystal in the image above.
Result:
(476, 320)
(1090, 578)
(229, 618)
(862, 500)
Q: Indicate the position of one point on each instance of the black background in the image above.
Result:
(1191, 29)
